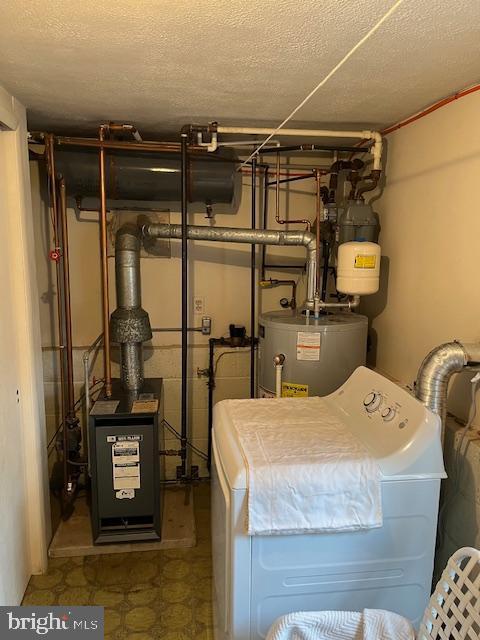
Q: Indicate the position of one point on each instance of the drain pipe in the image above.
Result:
(130, 324)
(278, 362)
(436, 370)
(184, 238)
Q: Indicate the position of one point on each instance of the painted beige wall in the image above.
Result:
(430, 229)
(219, 272)
(24, 513)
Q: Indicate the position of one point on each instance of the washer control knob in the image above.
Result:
(372, 401)
(389, 414)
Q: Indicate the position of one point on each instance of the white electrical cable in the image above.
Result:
(325, 79)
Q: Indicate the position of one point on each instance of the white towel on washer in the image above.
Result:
(307, 472)
(372, 624)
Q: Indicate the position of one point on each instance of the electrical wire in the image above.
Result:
(331, 73)
(225, 353)
(199, 452)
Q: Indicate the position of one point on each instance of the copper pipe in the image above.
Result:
(121, 128)
(170, 147)
(66, 299)
(318, 208)
(50, 157)
(277, 200)
(107, 369)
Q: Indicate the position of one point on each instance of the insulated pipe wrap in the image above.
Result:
(245, 236)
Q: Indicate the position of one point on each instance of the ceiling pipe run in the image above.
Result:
(364, 135)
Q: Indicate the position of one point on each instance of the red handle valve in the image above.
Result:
(55, 254)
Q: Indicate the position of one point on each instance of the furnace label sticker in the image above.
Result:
(125, 494)
(144, 406)
(308, 345)
(292, 390)
(126, 464)
(365, 262)
(125, 438)
(104, 407)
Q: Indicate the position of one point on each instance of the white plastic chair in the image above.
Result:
(453, 612)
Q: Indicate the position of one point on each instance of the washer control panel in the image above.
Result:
(377, 404)
(377, 401)
(401, 433)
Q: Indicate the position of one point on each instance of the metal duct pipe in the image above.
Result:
(246, 236)
(436, 370)
(130, 324)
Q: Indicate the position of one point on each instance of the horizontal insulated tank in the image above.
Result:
(319, 354)
(152, 177)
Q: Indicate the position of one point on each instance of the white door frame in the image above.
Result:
(25, 305)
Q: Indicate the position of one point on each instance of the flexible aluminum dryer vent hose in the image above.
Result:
(436, 370)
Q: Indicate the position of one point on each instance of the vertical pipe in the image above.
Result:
(277, 191)
(104, 259)
(211, 386)
(253, 280)
(326, 259)
(184, 189)
(317, 235)
(66, 300)
(264, 220)
(49, 148)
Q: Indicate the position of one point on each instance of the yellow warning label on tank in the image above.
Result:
(292, 390)
(365, 262)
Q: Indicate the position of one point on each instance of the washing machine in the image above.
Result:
(259, 578)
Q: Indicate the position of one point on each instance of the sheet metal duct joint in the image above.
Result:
(130, 324)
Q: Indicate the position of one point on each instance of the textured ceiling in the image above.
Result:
(164, 63)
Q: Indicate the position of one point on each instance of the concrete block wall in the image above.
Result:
(219, 273)
(232, 381)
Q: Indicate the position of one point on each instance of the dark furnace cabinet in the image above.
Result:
(125, 437)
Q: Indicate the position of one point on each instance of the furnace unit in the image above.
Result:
(125, 442)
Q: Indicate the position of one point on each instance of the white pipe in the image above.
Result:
(278, 362)
(278, 380)
(365, 134)
(308, 133)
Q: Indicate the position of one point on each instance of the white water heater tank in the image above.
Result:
(358, 268)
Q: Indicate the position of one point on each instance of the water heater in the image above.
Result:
(319, 354)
